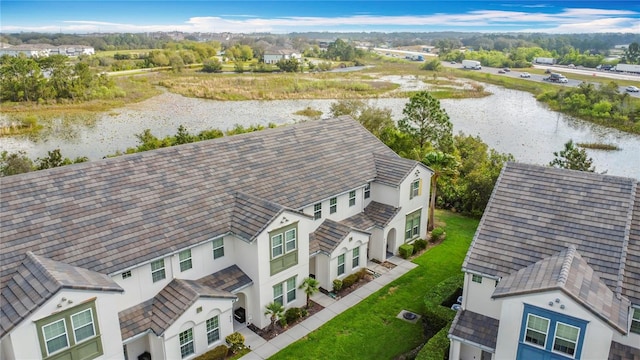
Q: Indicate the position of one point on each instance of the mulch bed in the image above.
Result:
(267, 333)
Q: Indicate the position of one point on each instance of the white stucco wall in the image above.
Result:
(477, 297)
(598, 334)
(24, 337)
(352, 241)
(197, 321)
(385, 194)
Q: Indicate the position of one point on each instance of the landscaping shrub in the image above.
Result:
(437, 348)
(439, 293)
(292, 314)
(405, 250)
(437, 234)
(350, 280)
(218, 353)
(419, 245)
(235, 341)
(337, 285)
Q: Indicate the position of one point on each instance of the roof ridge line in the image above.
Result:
(39, 263)
(625, 241)
(566, 265)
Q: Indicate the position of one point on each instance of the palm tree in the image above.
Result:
(441, 164)
(275, 311)
(310, 287)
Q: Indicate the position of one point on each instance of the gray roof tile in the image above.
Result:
(475, 328)
(569, 272)
(619, 351)
(230, 279)
(536, 212)
(37, 279)
(374, 215)
(328, 236)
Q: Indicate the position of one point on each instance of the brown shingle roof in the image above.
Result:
(619, 351)
(631, 279)
(37, 279)
(158, 313)
(230, 279)
(569, 272)
(375, 214)
(536, 212)
(328, 236)
(475, 328)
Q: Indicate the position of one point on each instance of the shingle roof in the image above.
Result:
(251, 214)
(116, 213)
(230, 279)
(392, 170)
(631, 279)
(619, 351)
(475, 328)
(375, 214)
(328, 236)
(569, 272)
(536, 212)
(160, 312)
(37, 279)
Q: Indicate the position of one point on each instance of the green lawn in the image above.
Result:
(370, 330)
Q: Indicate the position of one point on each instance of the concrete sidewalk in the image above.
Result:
(262, 349)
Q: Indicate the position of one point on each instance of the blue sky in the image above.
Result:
(551, 16)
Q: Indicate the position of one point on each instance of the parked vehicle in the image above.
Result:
(525, 75)
(471, 64)
(555, 77)
(627, 68)
(632, 88)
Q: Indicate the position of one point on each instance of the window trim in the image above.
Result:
(278, 297)
(412, 224)
(288, 241)
(280, 245)
(217, 248)
(367, 191)
(546, 333)
(333, 205)
(66, 336)
(352, 198)
(187, 261)
(355, 258)
(341, 264)
(187, 343)
(93, 327)
(291, 290)
(476, 278)
(213, 329)
(635, 321)
(317, 211)
(415, 188)
(158, 270)
(555, 337)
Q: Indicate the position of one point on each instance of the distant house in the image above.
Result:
(164, 253)
(44, 50)
(553, 270)
(272, 56)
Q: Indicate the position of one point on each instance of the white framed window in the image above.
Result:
(157, 270)
(126, 274)
(82, 324)
(635, 321)
(291, 289)
(317, 211)
(340, 264)
(367, 191)
(416, 188)
(355, 258)
(412, 225)
(476, 278)
(333, 205)
(213, 329)
(277, 248)
(352, 198)
(565, 339)
(278, 292)
(537, 330)
(218, 248)
(55, 336)
(290, 240)
(185, 260)
(186, 343)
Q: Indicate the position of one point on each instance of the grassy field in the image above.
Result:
(370, 330)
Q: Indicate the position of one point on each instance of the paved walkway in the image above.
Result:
(262, 349)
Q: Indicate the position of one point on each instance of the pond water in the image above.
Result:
(509, 121)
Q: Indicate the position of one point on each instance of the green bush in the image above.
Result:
(235, 341)
(218, 353)
(337, 285)
(405, 250)
(419, 245)
(350, 280)
(292, 314)
(437, 347)
(437, 234)
(439, 293)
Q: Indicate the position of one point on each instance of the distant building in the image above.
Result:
(272, 56)
(43, 50)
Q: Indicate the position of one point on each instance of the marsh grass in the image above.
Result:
(309, 112)
(598, 146)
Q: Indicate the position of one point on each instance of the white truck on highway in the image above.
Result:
(471, 64)
(544, 60)
(627, 68)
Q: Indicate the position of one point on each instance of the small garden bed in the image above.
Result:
(269, 333)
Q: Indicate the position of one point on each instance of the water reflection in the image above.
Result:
(510, 121)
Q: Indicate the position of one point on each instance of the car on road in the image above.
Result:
(506, 69)
(632, 88)
(525, 75)
(563, 80)
(501, 71)
(453, 62)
